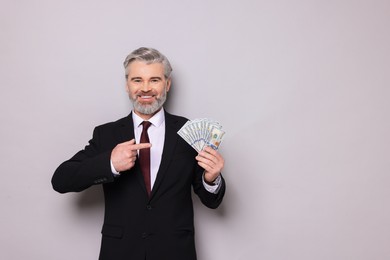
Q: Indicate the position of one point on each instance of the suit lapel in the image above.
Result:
(126, 129)
(171, 128)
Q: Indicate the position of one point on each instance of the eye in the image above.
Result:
(136, 80)
(155, 80)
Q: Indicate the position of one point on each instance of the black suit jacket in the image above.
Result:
(135, 226)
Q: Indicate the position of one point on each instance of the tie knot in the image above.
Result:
(146, 125)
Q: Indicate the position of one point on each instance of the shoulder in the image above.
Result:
(175, 119)
(124, 121)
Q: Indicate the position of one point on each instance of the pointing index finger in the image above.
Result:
(141, 146)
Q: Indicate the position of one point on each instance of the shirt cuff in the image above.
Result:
(114, 172)
(213, 188)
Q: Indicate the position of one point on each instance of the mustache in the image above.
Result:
(146, 93)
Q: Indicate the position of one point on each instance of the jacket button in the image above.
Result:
(149, 207)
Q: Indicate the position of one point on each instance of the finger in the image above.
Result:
(205, 160)
(207, 168)
(204, 166)
(133, 153)
(210, 150)
(141, 146)
(207, 155)
(132, 158)
(215, 153)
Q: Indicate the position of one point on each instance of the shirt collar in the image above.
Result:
(156, 120)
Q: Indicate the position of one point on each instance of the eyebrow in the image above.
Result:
(133, 78)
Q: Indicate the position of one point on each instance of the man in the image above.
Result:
(146, 170)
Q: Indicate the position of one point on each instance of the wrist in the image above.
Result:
(212, 181)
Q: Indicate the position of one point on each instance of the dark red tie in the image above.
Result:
(144, 156)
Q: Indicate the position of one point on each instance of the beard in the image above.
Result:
(149, 109)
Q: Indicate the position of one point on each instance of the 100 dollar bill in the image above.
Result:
(202, 132)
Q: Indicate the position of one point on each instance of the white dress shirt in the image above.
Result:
(156, 134)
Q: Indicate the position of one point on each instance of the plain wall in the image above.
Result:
(301, 88)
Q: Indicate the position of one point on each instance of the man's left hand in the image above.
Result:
(210, 160)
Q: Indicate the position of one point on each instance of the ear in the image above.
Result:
(168, 84)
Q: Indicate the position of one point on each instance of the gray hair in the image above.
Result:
(148, 55)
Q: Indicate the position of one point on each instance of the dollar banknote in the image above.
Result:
(202, 132)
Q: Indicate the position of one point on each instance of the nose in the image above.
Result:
(145, 87)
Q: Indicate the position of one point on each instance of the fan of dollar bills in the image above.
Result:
(202, 132)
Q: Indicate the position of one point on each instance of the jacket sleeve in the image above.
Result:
(88, 167)
(209, 199)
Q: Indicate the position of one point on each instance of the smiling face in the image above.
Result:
(147, 87)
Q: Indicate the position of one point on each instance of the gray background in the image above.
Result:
(301, 87)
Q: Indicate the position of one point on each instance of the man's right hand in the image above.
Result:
(123, 156)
